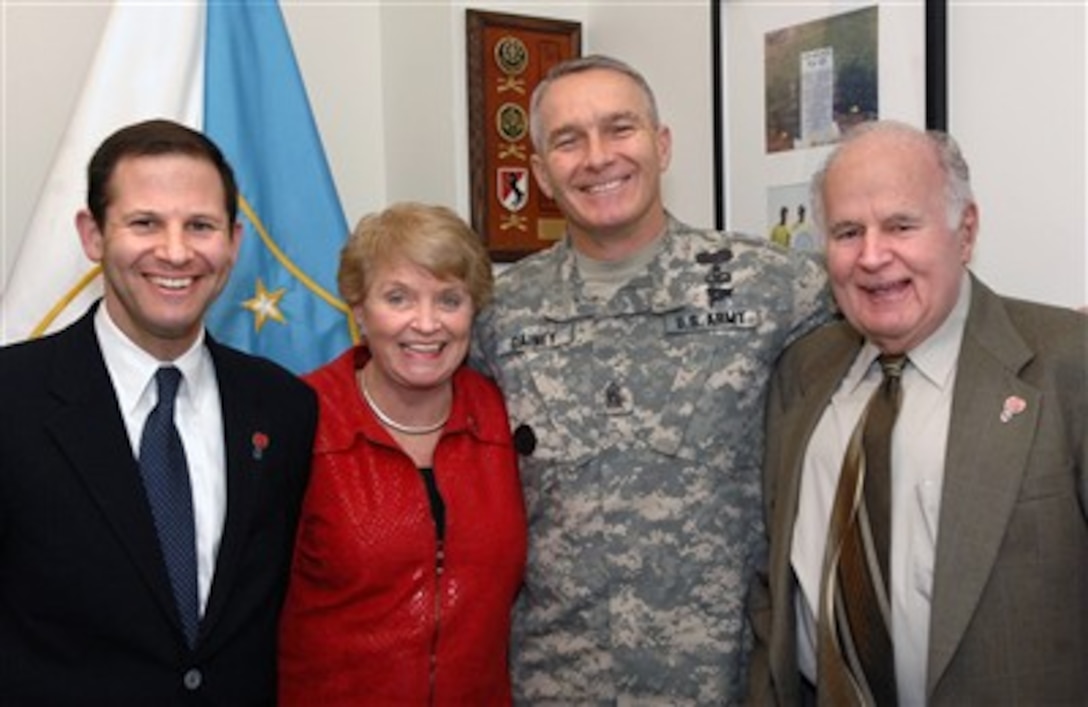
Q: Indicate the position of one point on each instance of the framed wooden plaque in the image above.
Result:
(507, 57)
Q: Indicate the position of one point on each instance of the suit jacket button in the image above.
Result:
(193, 678)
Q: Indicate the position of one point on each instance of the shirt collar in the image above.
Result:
(935, 358)
(132, 369)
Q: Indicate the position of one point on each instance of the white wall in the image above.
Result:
(339, 51)
(44, 53)
(387, 82)
(1017, 79)
(669, 42)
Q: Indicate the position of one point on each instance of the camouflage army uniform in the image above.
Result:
(639, 427)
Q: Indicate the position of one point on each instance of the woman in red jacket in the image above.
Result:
(411, 546)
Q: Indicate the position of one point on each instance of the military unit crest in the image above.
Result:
(512, 58)
(512, 125)
(513, 187)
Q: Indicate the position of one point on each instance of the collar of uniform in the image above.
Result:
(663, 292)
(565, 301)
(670, 292)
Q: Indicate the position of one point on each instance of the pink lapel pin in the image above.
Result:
(1014, 405)
(260, 443)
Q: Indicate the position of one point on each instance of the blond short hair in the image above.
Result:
(432, 237)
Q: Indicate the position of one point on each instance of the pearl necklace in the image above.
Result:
(393, 424)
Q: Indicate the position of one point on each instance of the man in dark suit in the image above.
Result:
(90, 606)
(987, 601)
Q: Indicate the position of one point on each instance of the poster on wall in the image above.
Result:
(789, 214)
(508, 55)
(821, 78)
(793, 77)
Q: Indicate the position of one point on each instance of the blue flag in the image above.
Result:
(281, 300)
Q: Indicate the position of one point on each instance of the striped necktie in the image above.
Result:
(855, 652)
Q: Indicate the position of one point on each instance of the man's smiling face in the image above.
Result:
(602, 157)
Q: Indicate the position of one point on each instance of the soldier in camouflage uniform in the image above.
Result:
(634, 356)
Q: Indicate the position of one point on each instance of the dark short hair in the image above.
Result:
(151, 138)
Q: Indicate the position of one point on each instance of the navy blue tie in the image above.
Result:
(166, 481)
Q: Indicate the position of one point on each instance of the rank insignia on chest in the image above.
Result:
(617, 400)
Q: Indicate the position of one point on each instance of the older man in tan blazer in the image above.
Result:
(986, 600)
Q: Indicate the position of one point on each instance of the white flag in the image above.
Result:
(150, 64)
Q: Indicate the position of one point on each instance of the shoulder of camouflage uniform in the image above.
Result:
(709, 236)
(703, 238)
(770, 250)
(531, 268)
(708, 239)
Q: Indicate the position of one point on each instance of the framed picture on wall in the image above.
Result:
(508, 55)
(793, 77)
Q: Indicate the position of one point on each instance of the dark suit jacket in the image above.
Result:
(1009, 622)
(87, 616)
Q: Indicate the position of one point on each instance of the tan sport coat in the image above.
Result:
(1009, 615)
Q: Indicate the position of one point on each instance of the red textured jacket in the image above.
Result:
(373, 616)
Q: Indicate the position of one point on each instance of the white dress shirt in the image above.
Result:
(199, 419)
(919, 441)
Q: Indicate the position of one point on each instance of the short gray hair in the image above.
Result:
(950, 159)
(577, 66)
